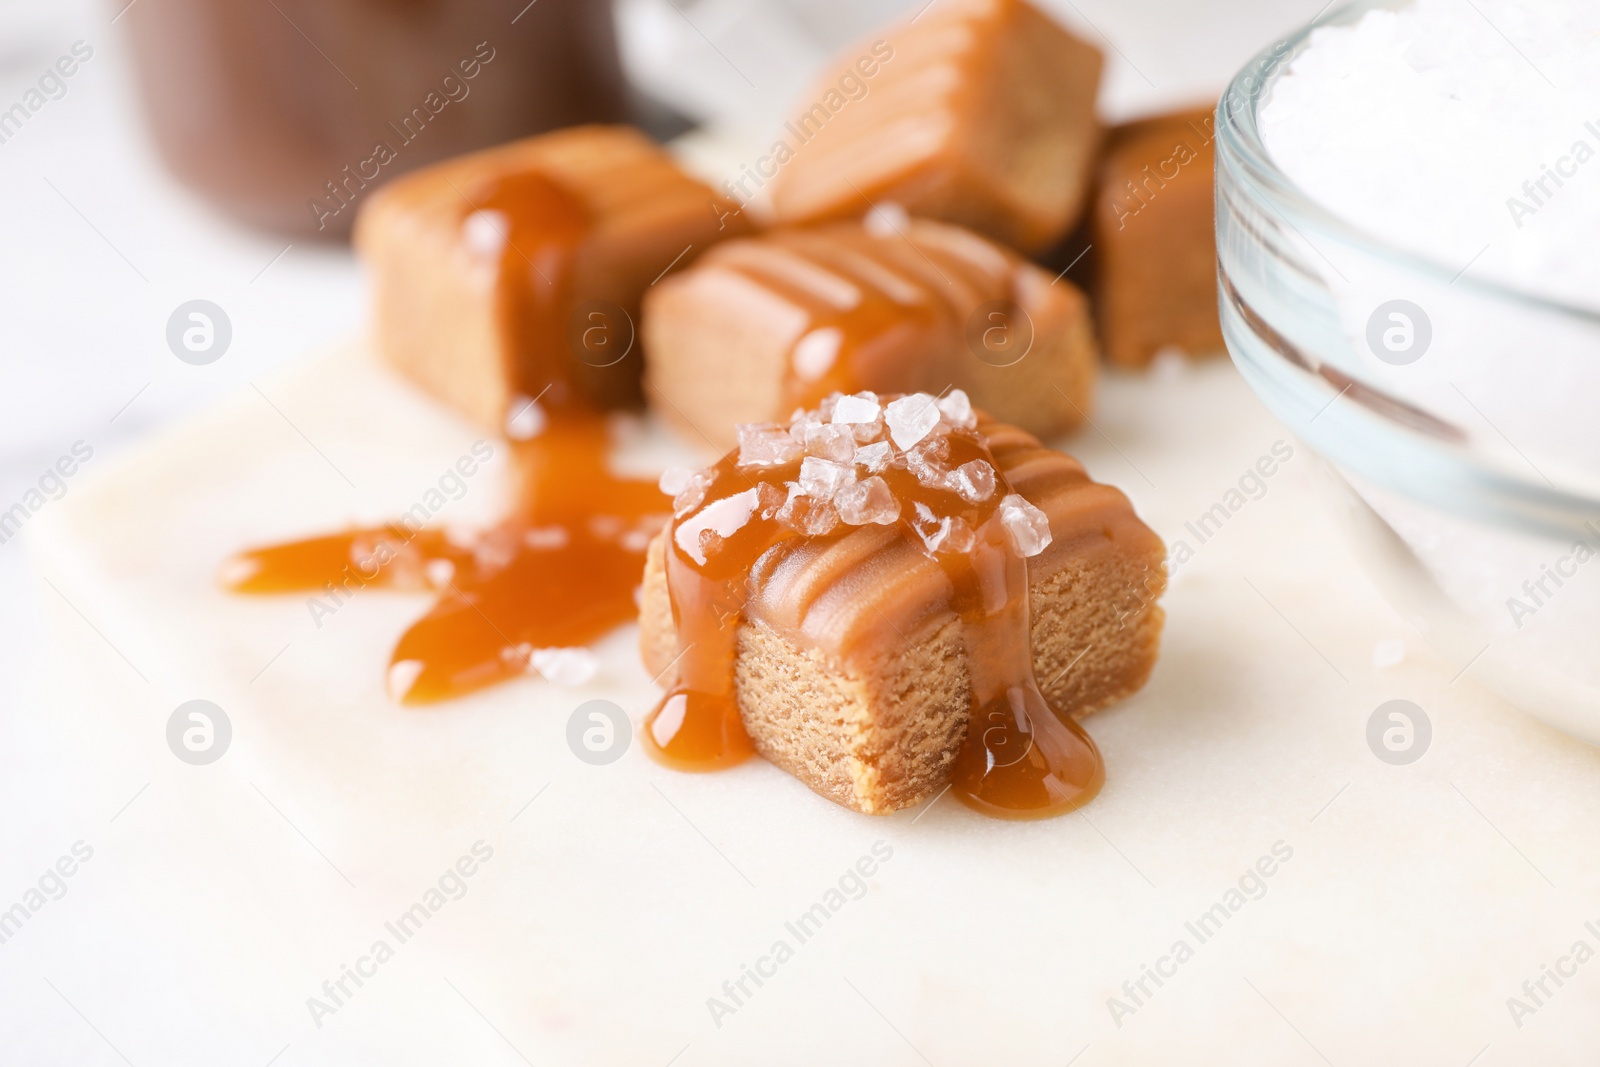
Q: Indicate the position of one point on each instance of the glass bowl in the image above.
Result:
(1463, 459)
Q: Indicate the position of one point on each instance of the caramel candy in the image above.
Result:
(762, 325)
(1154, 236)
(934, 610)
(980, 112)
(506, 273)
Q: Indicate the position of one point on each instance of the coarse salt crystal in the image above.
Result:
(525, 419)
(911, 418)
(820, 519)
(868, 432)
(973, 481)
(793, 505)
(495, 549)
(867, 501)
(675, 480)
(874, 457)
(927, 462)
(693, 491)
(803, 423)
(763, 444)
(862, 407)
(546, 538)
(710, 543)
(1027, 528)
(1170, 364)
(566, 667)
(820, 479)
(810, 516)
(834, 442)
(769, 498)
(957, 409)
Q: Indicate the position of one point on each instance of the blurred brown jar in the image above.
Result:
(286, 112)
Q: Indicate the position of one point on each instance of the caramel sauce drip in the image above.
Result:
(1021, 758)
(696, 727)
(542, 225)
(561, 570)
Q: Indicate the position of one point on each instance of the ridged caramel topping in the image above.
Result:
(911, 109)
(972, 111)
(886, 302)
(615, 172)
(854, 595)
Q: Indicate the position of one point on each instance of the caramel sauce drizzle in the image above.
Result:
(561, 570)
(1021, 758)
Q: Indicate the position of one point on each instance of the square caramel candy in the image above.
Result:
(852, 666)
(1153, 230)
(980, 112)
(504, 273)
(762, 325)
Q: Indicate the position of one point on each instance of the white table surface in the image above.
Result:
(157, 954)
(1407, 903)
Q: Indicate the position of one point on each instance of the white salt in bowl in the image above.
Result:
(1460, 419)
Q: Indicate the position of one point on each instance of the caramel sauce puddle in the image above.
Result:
(561, 570)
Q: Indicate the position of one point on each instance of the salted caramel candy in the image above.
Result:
(763, 325)
(979, 112)
(1154, 236)
(889, 595)
(509, 272)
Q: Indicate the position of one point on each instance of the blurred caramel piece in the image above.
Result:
(515, 273)
(853, 664)
(1154, 236)
(980, 112)
(763, 325)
